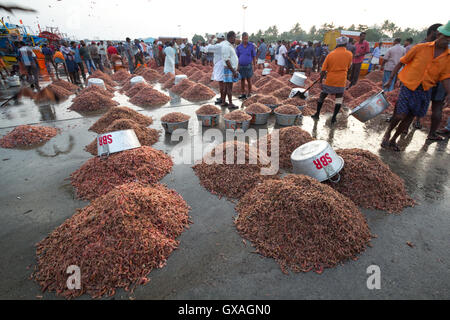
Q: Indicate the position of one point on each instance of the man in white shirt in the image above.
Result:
(169, 62)
(282, 58)
(102, 49)
(230, 72)
(217, 74)
(183, 53)
(29, 60)
(390, 60)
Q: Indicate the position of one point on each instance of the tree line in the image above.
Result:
(387, 29)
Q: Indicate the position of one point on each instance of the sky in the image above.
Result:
(118, 19)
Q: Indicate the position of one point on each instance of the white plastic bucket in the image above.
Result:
(136, 80)
(96, 82)
(298, 79)
(180, 78)
(318, 160)
(266, 72)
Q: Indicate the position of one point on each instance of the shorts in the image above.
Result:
(332, 90)
(413, 102)
(246, 72)
(438, 93)
(228, 76)
(308, 63)
(58, 60)
(261, 61)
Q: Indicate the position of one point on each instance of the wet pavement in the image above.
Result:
(213, 261)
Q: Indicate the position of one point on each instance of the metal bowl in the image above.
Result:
(170, 127)
(318, 160)
(235, 125)
(259, 118)
(370, 108)
(209, 120)
(286, 119)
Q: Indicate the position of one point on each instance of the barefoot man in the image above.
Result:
(424, 66)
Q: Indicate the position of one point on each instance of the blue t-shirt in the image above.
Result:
(47, 52)
(77, 55)
(318, 51)
(262, 51)
(246, 54)
(293, 54)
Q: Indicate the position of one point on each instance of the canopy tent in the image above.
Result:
(149, 40)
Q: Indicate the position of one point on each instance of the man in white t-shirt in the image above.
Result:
(230, 72)
(169, 61)
(282, 58)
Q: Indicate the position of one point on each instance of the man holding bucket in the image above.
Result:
(335, 68)
(424, 66)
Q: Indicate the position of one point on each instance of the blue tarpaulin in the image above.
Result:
(149, 40)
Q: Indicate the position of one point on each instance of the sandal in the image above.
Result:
(232, 106)
(435, 137)
(418, 125)
(443, 131)
(225, 104)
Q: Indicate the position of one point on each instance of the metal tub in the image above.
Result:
(209, 120)
(370, 108)
(272, 106)
(259, 118)
(170, 127)
(235, 125)
(318, 160)
(286, 119)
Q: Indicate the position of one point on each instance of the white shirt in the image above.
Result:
(217, 50)
(26, 52)
(229, 54)
(281, 59)
(392, 56)
(182, 46)
(102, 49)
(169, 62)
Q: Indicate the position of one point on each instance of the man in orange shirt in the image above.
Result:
(425, 65)
(335, 68)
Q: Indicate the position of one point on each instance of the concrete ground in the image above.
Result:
(213, 261)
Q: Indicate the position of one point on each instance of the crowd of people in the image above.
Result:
(423, 69)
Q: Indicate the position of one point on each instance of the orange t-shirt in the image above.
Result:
(336, 65)
(58, 54)
(421, 67)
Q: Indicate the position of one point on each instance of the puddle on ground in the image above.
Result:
(423, 164)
